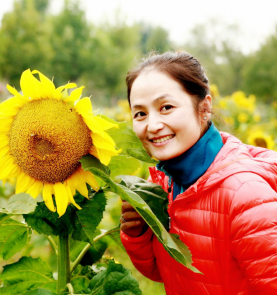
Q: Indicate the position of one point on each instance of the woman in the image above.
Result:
(222, 193)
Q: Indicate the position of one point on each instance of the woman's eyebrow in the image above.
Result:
(163, 96)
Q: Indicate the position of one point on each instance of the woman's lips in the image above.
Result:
(162, 141)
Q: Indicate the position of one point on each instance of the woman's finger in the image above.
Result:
(130, 224)
(128, 216)
(126, 206)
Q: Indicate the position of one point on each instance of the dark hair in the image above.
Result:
(180, 66)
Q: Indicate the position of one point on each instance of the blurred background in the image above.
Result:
(95, 42)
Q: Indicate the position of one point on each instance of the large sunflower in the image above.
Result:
(43, 135)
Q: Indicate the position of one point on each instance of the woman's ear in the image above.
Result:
(205, 108)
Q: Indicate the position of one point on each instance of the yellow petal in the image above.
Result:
(77, 181)
(7, 165)
(105, 155)
(30, 85)
(61, 198)
(47, 196)
(104, 124)
(12, 103)
(14, 172)
(89, 178)
(84, 106)
(24, 182)
(59, 90)
(4, 151)
(47, 87)
(75, 95)
(71, 199)
(102, 140)
(70, 184)
(82, 188)
(35, 189)
(14, 92)
(93, 151)
(4, 142)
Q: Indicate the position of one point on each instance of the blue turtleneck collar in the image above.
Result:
(188, 167)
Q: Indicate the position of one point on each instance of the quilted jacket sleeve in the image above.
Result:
(141, 253)
(261, 152)
(253, 215)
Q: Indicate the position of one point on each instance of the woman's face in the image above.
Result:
(163, 115)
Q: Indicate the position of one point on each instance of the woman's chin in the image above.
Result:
(164, 156)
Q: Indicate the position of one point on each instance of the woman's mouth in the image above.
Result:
(161, 140)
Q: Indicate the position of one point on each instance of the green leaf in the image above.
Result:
(87, 219)
(114, 235)
(75, 248)
(44, 221)
(81, 278)
(39, 291)
(20, 204)
(95, 252)
(123, 164)
(91, 161)
(152, 194)
(146, 213)
(13, 236)
(115, 280)
(127, 140)
(26, 274)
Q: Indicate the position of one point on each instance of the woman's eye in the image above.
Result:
(166, 107)
(139, 114)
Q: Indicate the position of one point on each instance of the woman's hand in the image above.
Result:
(131, 222)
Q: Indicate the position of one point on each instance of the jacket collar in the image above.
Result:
(234, 157)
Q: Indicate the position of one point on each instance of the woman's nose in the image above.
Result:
(154, 124)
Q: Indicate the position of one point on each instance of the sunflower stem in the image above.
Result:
(86, 248)
(63, 263)
(80, 257)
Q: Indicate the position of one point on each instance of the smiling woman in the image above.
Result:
(222, 199)
(164, 118)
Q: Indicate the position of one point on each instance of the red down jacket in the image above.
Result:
(228, 219)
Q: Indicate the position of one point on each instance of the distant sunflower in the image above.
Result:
(260, 139)
(43, 135)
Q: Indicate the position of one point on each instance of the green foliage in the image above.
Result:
(24, 42)
(95, 252)
(81, 278)
(19, 204)
(122, 164)
(152, 194)
(260, 71)
(154, 39)
(26, 276)
(115, 280)
(87, 219)
(146, 213)
(126, 139)
(70, 43)
(13, 236)
(44, 221)
(90, 160)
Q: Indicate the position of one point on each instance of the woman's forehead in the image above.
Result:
(153, 84)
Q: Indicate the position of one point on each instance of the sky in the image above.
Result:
(257, 19)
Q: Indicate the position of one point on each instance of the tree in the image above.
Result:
(214, 44)
(24, 42)
(69, 40)
(154, 39)
(260, 74)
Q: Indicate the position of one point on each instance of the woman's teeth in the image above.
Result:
(162, 139)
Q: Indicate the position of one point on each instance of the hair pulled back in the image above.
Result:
(180, 66)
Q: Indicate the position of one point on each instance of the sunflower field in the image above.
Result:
(68, 155)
